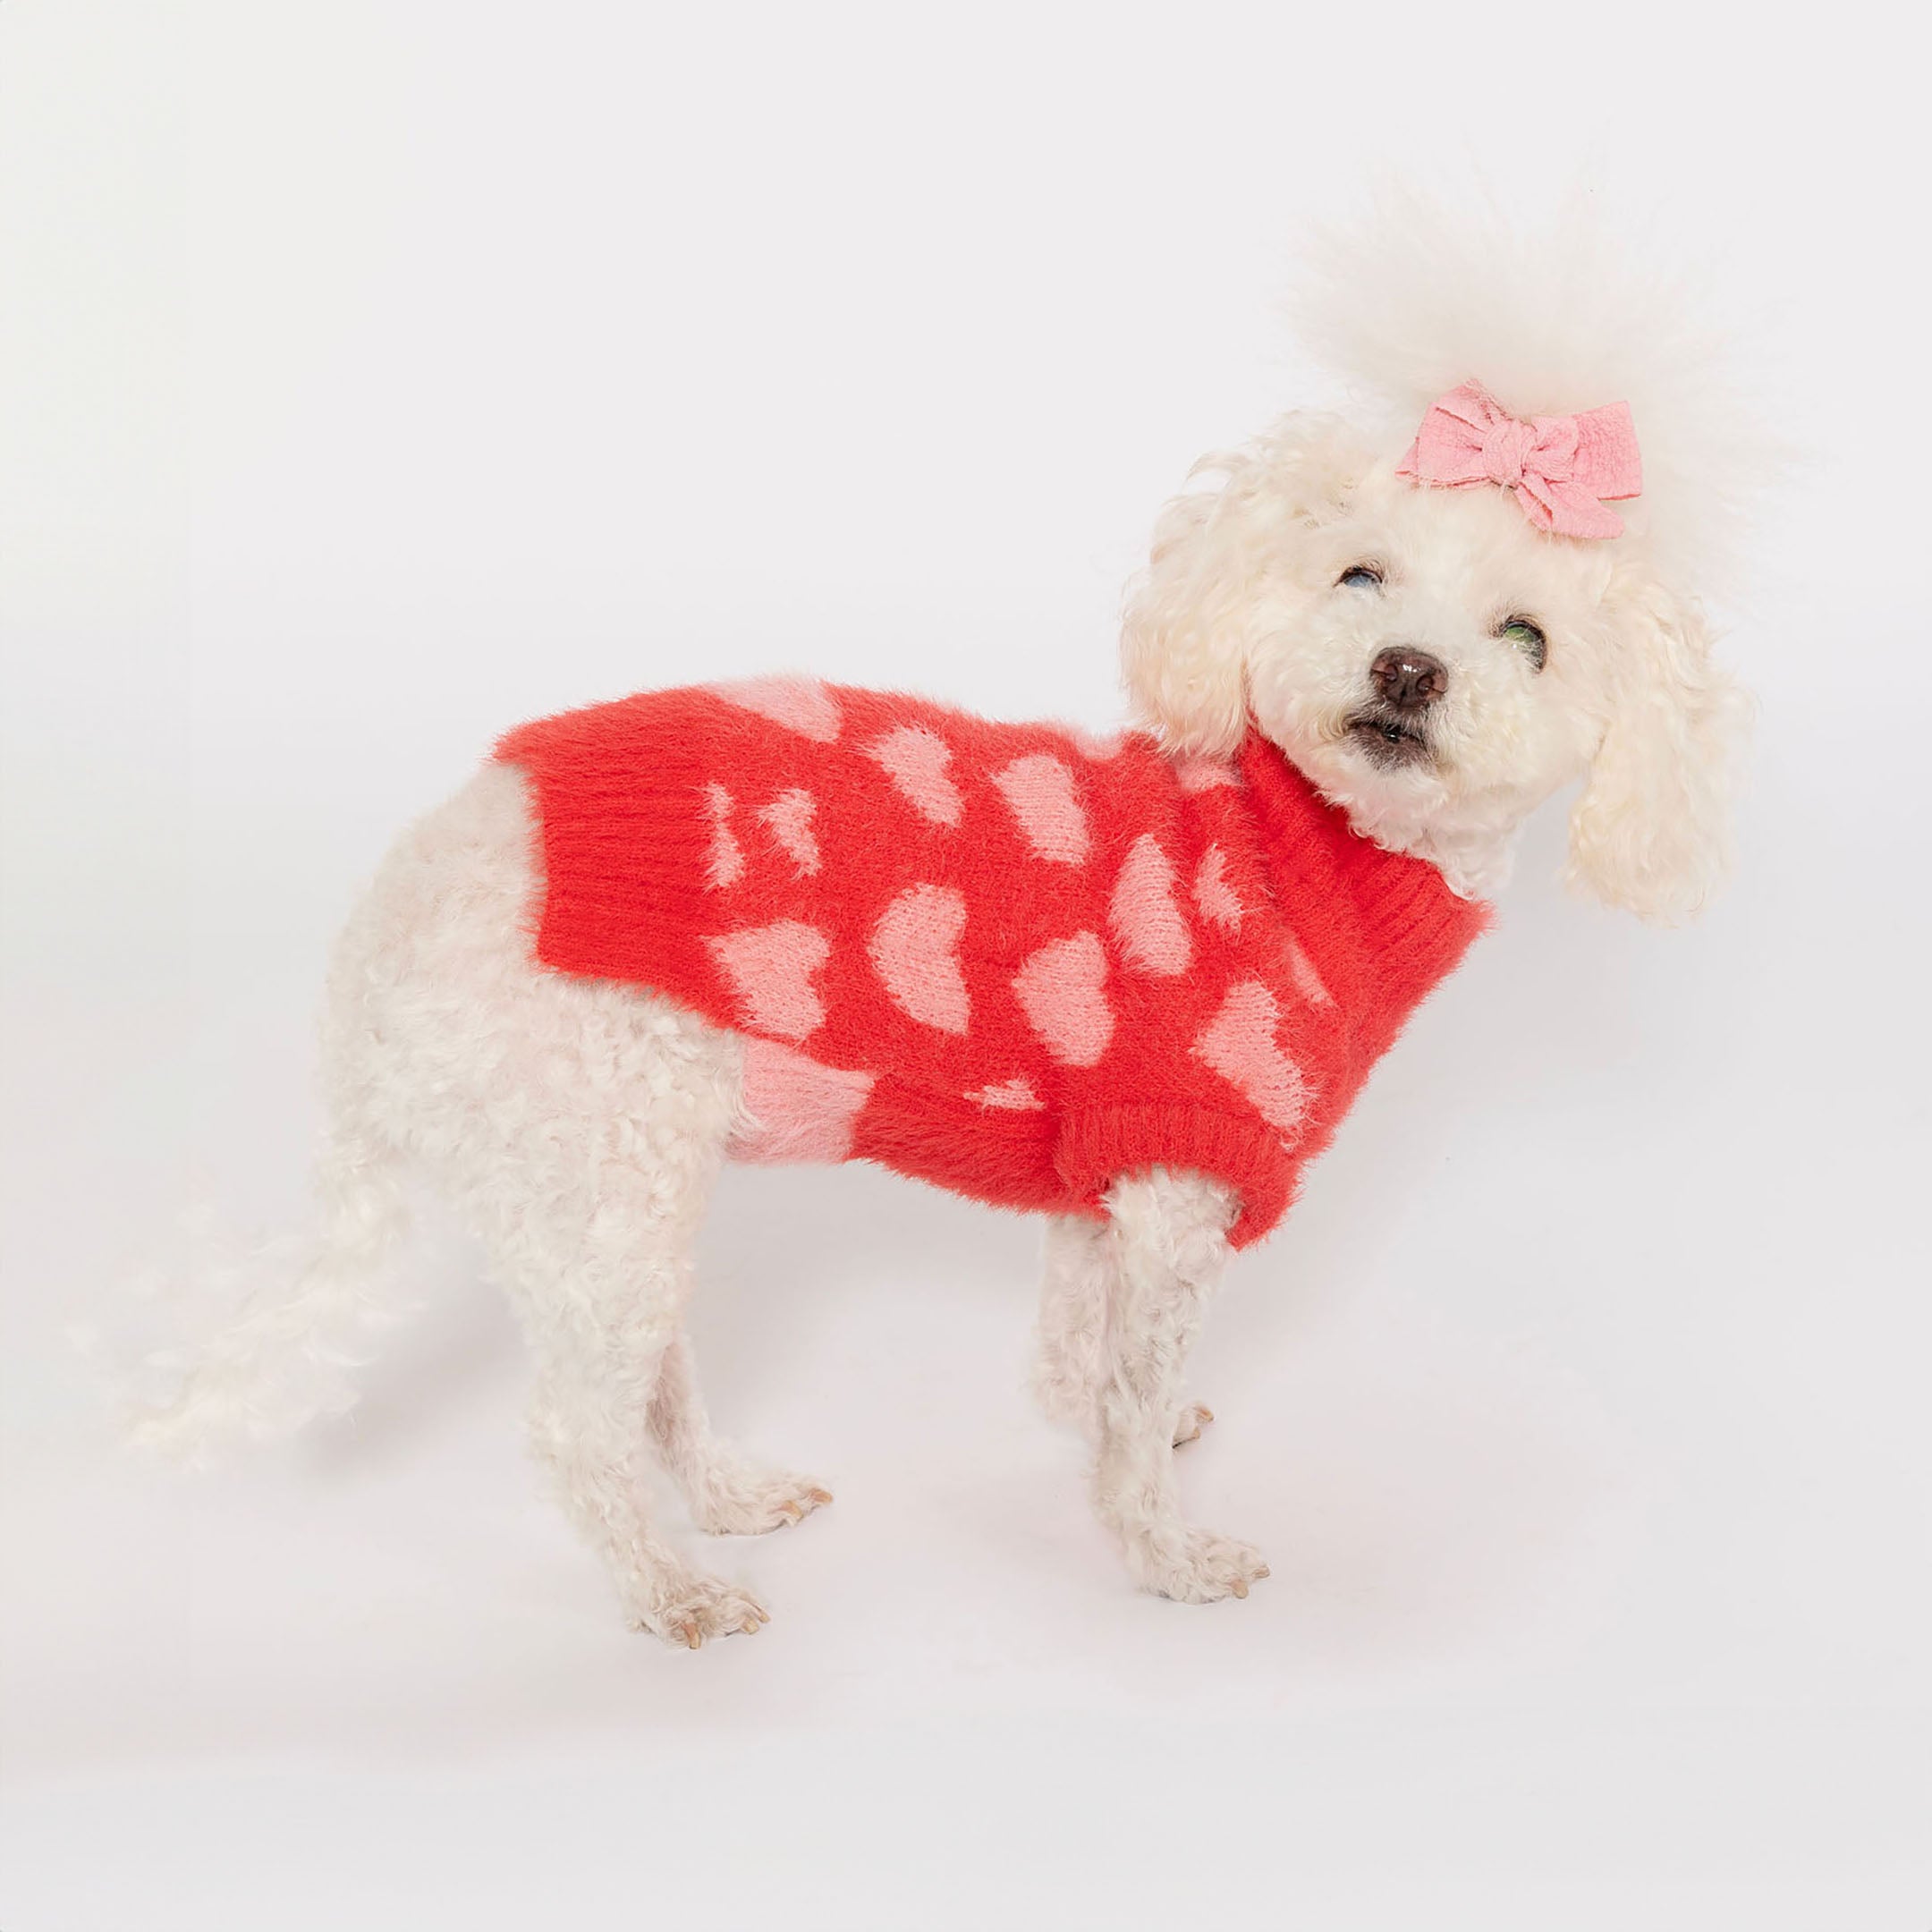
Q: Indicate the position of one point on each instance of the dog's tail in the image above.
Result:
(275, 1327)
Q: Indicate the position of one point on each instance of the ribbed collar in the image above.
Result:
(1413, 926)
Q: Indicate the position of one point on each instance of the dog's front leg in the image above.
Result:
(1167, 1239)
(1073, 1360)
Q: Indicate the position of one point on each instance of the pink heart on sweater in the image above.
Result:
(798, 1109)
(1061, 989)
(915, 950)
(800, 704)
(770, 969)
(1238, 1044)
(1216, 898)
(916, 759)
(790, 817)
(1149, 926)
(1044, 802)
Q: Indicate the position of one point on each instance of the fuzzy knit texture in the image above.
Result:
(1011, 959)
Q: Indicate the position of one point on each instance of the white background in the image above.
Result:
(382, 372)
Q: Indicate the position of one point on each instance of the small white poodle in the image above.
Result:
(1130, 983)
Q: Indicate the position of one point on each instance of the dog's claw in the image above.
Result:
(754, 1506)
(703, 1609)
(1190, 1422)
(1240, 1586)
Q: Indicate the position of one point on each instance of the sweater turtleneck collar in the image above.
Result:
(1413, 924)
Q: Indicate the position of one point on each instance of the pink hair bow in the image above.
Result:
(1563, 469)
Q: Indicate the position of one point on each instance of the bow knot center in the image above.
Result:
(1506, 444)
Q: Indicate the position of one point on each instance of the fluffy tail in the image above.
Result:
(279, 1325)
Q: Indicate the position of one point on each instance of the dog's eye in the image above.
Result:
(1361, 576)
(1528, 638)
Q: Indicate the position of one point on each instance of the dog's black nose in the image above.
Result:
(1409, 680)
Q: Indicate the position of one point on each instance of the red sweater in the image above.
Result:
(1007, 959)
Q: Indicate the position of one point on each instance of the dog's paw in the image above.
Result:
(699, 1607)
(1198, 1566)
(751, 1505)
(1192, 1420)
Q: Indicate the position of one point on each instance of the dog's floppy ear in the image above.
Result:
(1219, 578)
(1652, 831)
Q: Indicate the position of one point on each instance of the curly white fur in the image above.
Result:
(577, 1126)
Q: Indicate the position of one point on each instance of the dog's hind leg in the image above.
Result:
(728, 1496)
(586, 1423)
(576, 1125)
(599, 1269)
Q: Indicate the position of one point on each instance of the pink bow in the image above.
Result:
(1562, 468)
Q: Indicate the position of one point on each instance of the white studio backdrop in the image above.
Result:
(378, 375)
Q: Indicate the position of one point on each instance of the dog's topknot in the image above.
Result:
(1552, 318)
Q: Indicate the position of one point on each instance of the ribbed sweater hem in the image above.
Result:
(1099, 1145)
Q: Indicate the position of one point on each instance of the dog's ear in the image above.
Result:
(1219, 576)
(1652, 830)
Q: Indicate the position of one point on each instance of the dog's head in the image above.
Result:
(1435, 663)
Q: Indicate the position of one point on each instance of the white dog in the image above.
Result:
(1430, 615)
